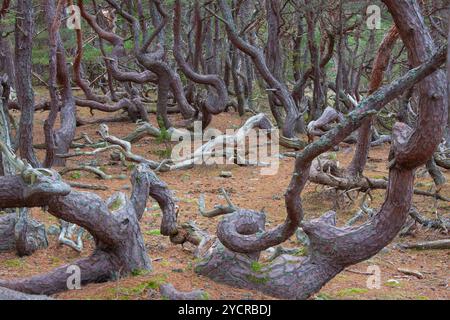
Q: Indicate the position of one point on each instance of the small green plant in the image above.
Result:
(75, 175)
(165, 263)
(352, 292)
(205, 296)
(154, 232)
(163, 153)
(139, 272)
(323, 296)
(116, 204)
(164, 135)
(163, 138)
(258, 280)
(256, 266)
(13, 263)
(301, 252)
(392, 284)
(332, 156)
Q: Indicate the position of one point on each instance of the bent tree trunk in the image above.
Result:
(18, 232)
(233, 258)
(113, 223)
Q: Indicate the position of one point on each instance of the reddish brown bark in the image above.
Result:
(356, 167)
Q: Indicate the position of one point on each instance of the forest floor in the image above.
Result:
(247, 189)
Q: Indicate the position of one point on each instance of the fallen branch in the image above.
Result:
(114, 143)
(97, 171)
(65, 236)
(215, 147)
(320, 175)
(79, 185)
(428, 245)
(218, 209)
(409, 272)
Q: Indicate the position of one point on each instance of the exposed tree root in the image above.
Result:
(16, 231)
(320, 126)
(86, 186)
(65, 235)
(83, 122)
(219, 209)
(438, 223)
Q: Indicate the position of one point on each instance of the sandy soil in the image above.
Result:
(247, 188)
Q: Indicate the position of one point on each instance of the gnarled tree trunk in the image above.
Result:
(113, 223)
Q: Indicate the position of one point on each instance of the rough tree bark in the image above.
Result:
(18, 232)
(23, 64)
(58, 141)
(447, 137)
(7, 59)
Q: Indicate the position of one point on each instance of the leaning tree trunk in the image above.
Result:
(7, 59)
(18, 232)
